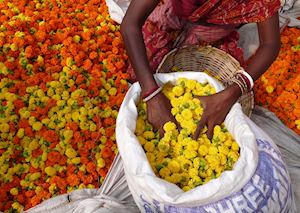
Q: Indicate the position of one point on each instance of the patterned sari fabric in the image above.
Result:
(175, 23)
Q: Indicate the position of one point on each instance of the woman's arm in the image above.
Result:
(217, 106)
(131, 29)
(158, 108)
(269, 36)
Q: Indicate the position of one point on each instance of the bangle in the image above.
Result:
(149, 92)
(247, 78)
(151, 95)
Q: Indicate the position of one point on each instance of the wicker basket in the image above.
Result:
(215, 62)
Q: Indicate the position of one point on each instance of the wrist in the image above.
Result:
(233, 92)
(148, 85)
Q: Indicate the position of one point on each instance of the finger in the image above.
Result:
(210, 130)
(161, 132)
(200, 126)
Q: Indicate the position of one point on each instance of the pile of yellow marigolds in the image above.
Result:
(61, 85)
(176, 157)
(278, 89)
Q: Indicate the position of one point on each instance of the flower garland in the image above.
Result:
(62, 81)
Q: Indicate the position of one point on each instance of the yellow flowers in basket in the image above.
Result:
(177, 157)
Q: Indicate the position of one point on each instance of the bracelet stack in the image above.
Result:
(151, 94)
(243, 80)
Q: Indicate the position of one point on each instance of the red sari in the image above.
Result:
(201, 22)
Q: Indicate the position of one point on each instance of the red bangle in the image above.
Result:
(149, 92)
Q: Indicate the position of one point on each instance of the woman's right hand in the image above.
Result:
(159, 112)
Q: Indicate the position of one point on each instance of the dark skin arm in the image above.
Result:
(216, 106)
(158, 108)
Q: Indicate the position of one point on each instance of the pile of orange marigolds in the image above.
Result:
(278, 89)
(62, 66)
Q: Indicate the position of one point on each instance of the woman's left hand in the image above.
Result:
(216, 108)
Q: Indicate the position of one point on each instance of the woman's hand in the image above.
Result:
(216, 108)
(159, 112)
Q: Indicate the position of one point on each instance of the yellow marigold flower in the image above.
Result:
(169, 126)
(228, 143)
(149, 147)
(209, 172)
(163, 146)
(71, 153)
(213, 150)
(40, 93)
(75, 116)
(192, 145)
(100, 163)
(40, 59)
(190, 84)
(90, 186)
(177, 90)
(149, 135)
(193, 172)
(202, 174)
(14, 191)
(20, 133)
(175, 102)
(219, 169)
(203, 150)
(196, 163)
(186, 188)
(269, 89)
(185, 164)
(17, 206)
(189, 154)
(34, 176)
(223, 159)
(61, 103)
(233, 155)
(140, 126)
(199, 111)
(4, 127)
(82, 168)
(221, 136)
(175, 178)
(174, 166)
(142, 140)
(175, 111)
(103, 139)
(56, 97)
(235, 146)
(76, 39)
(37, 126)
(151, 157)
(223, 149)
(187, 114)
(50, 171)
(69, 61)
(217, 129)
(75, 160)
(163, 172)
(93, 127)
(33, 145)
(112, 91)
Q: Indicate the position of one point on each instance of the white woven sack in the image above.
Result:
(227, 192)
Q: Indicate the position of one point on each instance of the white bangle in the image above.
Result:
(243, 72)
(153, 94)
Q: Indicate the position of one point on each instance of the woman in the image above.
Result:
(202, 22)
